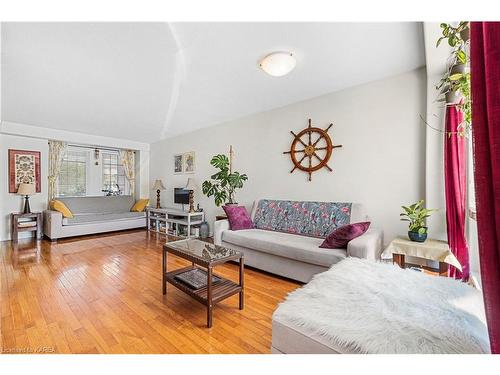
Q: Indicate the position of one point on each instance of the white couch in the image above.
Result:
(93, 215)
(296, 256)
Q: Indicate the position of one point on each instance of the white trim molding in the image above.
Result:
(24, 130)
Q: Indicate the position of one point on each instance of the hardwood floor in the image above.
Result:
(102, 294)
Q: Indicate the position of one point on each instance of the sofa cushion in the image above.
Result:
(300, 248)
(59, 206)
(317, 219)
(340, 237)
(94, 218)
(98, 205)
(140, 205)
(238, 217)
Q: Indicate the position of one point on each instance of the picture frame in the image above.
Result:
(24, 167)
(178, 164)
(185, 163)
(189, 162)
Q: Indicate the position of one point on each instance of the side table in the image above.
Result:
(31, 222)
(430, 249)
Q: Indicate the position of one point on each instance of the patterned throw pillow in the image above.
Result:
(340, 237)
(238, 217)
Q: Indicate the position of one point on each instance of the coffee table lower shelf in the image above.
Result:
(220, 290)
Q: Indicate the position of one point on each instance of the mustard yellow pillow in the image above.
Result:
(140, 205)
(61, 207)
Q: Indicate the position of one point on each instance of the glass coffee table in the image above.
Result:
(203, 286)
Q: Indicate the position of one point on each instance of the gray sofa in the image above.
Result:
(296, 256)
(93, 215)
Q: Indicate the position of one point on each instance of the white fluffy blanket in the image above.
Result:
(370, 307)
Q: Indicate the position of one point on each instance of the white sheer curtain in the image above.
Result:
(56, 154)
(128, 161)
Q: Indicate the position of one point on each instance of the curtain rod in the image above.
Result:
(95, 147)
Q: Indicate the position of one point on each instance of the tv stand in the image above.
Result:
(173, 221)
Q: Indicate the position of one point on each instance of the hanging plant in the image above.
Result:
(454, 87)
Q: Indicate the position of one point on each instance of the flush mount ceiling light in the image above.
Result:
(278, 64)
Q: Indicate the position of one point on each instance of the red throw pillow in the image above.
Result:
(238, 217)
(340, 237)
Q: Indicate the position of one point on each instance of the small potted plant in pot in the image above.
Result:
(223, 184)
(416, 215)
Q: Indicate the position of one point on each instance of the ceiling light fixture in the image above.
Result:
(278, 64)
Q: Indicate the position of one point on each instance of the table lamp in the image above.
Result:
(26, 190)
(191, 186)
(158, 186)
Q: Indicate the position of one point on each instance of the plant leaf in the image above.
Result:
(461, 56)
(455, 77)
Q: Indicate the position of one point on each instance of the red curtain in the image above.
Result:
(455, 191)
(485, 75)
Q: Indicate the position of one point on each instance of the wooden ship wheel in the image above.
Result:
(308, 155)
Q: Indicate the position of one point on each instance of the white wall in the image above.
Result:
(380, 165)
(436, 59)
(434, 163)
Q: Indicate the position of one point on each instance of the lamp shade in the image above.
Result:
(26, 189)
(191, 184)
(158, 185)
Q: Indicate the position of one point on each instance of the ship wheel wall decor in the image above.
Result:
(308, 155)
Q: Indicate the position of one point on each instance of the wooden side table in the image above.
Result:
(31, 222)
(430, 249)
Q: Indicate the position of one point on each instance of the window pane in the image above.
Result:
(73, 177)
(113, 173)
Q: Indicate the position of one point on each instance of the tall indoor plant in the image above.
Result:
(223, 184)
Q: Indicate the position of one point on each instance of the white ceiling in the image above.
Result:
(147, 81)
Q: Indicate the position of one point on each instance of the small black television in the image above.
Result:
(181, 196)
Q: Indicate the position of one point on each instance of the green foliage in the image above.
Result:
(453, 34)
(457, 82)
(416, 215)
(222, 185)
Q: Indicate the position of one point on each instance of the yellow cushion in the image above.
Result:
(140, 205)
(61, 207)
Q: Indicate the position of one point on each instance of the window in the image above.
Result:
(113, 173)
(72, 180)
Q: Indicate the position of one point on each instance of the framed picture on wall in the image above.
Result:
(184, 163)
(24, 167)
(188, 161)
(178, 164)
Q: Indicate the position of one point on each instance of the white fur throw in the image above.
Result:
(369, 307)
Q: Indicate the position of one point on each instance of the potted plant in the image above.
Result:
(416, 215)
(455, 85)
(223, 184)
